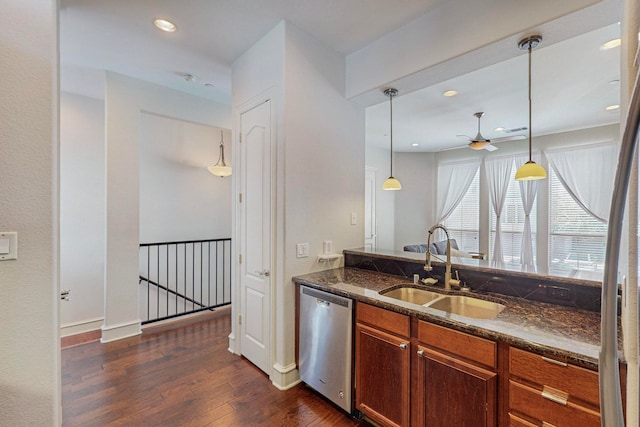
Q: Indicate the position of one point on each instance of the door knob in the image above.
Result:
(265, 273)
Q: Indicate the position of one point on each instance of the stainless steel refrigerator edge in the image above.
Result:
(325, 344)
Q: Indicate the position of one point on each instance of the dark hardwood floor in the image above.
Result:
(181, 376)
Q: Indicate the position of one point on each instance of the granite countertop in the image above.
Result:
(567, 334)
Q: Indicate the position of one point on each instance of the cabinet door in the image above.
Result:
(382, 376)
(455, 393)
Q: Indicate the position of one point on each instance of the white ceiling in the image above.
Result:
(570, 78)
(118, 35)
(570, 90)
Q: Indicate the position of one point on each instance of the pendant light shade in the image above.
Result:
(530, 170)
(220, 168)
(391, 183)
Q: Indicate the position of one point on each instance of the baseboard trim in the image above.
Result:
(76, 328)
(120, 331)
(285, 377)
(232, 344)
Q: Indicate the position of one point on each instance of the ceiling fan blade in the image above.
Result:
(490, 147)
(453, 148)
(464, 136)
(508, 138)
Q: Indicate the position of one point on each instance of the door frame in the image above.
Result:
(235, 343)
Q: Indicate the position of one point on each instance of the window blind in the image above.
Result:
(576, 239)
(463, 223)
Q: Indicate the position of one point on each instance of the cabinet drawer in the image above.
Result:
(515, 421)
(577, 382)
(461, 344)
(389, 321)
(531, 402)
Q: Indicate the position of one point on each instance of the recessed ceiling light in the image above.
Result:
(164, 25)
(499, 129)
(450, 93)
(415, 144)
(614, 82)
(612, 107)
(188, 77)
(209, 85)
(611, 44)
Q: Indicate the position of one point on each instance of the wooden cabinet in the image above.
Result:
(544, 391)
(455, 388)
(382, 365)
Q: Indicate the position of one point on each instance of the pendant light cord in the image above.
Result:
(391, 128)
(530, 48)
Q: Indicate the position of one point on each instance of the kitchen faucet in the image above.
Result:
(448, 281)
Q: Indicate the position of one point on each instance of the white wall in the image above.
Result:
(29, 341)
(125, 99)
(82, 212)
(324, 173)
(320, 164)
(385, 200)
(179, 198)
(415, 203)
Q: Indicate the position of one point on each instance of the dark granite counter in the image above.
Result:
(563, 333)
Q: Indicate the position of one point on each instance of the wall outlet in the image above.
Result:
(302, 250)
(354, 218)
(327, 247)
(559, 293)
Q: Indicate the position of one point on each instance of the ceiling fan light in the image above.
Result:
(391, 184)
(530, 171)
(478, 145)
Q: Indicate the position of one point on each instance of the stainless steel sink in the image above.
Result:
(456, 304)
(412, 295)
(468, 307)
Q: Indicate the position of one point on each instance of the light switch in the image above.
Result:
(4, 245)
(8, 246)
(302, 250)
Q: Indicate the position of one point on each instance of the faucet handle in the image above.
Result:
(456, 281)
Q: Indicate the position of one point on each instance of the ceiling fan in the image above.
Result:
(479, 142)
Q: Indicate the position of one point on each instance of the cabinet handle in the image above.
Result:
(554, 395)
(403, 345)
(555, 362)
(421, 353)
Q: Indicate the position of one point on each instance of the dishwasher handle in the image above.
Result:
(325, 298)
(323, 302)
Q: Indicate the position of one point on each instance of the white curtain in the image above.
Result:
(454, 179)
(499, 174)
(528, 191)
(587, 173)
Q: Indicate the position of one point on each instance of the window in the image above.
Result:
(512, 223)
(463, 223)
(576, 239)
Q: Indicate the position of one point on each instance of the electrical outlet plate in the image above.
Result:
(9, 245)
(302, 250)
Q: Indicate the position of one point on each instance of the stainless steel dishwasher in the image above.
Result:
(325, 344)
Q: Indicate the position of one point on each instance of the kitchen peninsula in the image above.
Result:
(535, 361)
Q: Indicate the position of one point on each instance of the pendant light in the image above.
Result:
(531, 170)
(220, 168)
(391, 183)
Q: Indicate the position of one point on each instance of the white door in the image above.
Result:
(256, 235)
(370, 209)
